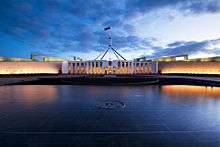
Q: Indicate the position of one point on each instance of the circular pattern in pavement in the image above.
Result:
(111, 104)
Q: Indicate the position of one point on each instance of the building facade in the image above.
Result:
(7, 68)
(107, 67)
(191, 67)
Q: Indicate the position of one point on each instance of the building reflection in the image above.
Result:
(28, 94)
(188, 92)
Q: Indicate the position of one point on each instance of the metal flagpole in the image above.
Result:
(110, 47)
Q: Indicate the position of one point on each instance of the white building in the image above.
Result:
(100, 66)
(109, 67)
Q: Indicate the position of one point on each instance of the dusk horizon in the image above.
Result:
(150, 28)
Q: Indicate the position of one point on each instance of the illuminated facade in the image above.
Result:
(14, 59)
(191, 67)
(107, 67)
(30, 67)
(104, 67)
(77, 67)
(165, 59)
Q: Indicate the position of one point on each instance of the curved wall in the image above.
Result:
(30, 67)
(182, 67)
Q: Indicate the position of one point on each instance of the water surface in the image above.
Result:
(63, 114)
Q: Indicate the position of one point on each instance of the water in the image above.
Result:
(169, 115)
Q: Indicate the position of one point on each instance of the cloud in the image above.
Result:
(190, 6)
(201, 6)
(190, 48)
(77, 26)
(175, 44)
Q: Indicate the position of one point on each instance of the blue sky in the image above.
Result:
(150, 28)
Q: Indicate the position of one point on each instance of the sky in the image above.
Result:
(150, 28)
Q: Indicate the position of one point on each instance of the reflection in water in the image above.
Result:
(117, 90)
(67, 108)
(191, 92)
(31, 94)
(35, 94)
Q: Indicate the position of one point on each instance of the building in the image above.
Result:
(52, 59)
(14, 65)
(165, 58)
(7, 68)
(189, 67)
(14, 59)
(107, 67)
(104, 67)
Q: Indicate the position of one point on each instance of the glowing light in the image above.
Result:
(190, 67)
(30, 67)
(174, 91)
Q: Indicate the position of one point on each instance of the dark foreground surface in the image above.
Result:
(111, 80)
(58, 115)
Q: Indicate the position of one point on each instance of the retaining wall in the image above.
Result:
(30, 67)
(181, 67)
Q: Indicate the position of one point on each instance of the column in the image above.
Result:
(120, 67)
(91, 68)
(116, 66)
(129, 68)
(98, 67)
(103, 65)
(94, 67)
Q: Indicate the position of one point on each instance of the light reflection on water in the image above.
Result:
(190, 91)
(202, 96)
(180, 107)
(136, 97)
(54, 93)
(28, 94)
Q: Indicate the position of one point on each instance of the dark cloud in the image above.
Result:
(189, 6)
(201, 6)
(190, 48)
(77, 25)
(175, 44)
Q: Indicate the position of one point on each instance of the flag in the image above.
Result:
(107, 28)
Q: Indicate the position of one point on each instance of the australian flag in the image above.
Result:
(107, 28)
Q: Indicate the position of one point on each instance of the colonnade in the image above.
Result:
(109, 67)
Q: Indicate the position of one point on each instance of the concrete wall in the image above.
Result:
(30, 67)
(189, 67)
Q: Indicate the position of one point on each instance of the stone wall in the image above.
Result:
(182, 67)
(30, 67)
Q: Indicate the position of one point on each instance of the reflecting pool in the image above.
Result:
(168, 115)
